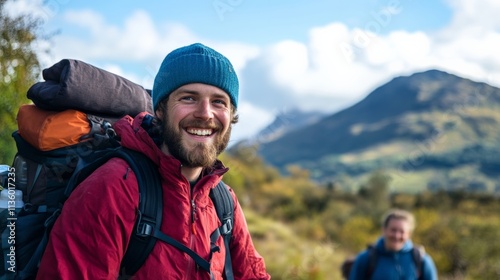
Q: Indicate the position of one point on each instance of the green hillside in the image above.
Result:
(429, 130)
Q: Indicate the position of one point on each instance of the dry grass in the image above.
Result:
(288, 256)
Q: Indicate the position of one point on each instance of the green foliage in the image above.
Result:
(358, 231)
(19, 69)
(288, 256)
(481, 259)
(375, 195)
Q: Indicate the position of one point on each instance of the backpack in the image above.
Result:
(418, 253)
(56, 150)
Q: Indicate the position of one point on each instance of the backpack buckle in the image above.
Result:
(144, 230)
(227, 227)
(49, 222)
(144, 226)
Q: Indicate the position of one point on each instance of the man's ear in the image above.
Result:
(159, 113)
(160, 110)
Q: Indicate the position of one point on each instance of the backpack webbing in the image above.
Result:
(224, 205)
(417, 253)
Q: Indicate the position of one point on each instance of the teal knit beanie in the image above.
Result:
(195, 63)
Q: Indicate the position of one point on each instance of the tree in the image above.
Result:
(19, 69)
(375, 195)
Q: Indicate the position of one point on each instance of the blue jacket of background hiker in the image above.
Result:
(391, 265)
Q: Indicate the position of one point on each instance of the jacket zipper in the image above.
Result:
(193, 217)
(191, 263)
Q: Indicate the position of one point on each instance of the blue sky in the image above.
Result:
(264, 22)
(321, 55)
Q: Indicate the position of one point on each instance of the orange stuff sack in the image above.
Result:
(49, 130)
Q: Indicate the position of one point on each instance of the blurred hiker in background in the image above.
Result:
(394, 256)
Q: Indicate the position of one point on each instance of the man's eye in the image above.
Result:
(187, 98)
(219, 101)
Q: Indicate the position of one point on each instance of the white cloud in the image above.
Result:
(238, 53)
(333, 69)
(252, 119)
(468, 15)
(139, 39)
(338, 65)
(469, 45)
(35, 8)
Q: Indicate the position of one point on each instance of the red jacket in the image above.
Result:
(90, 237)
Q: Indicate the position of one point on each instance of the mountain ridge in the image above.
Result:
(398, 116)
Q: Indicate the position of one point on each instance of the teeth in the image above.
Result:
(200, 132)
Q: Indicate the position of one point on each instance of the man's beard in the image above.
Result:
(199, 155)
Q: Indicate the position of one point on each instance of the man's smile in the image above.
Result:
(200, 131)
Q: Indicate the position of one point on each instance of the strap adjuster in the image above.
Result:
(144, 226)
(227, 227)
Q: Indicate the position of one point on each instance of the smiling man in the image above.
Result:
(197, 120)
(394, 256)
(195, 96)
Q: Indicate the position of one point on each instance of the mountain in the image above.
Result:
(427, 130)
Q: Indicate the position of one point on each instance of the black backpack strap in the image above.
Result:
(201, 262)
(224, 205)
(372, 260)
(418, 252)
(150, 210)
(147, 228)
(150, 203)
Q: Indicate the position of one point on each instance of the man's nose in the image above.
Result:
(204, 110)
